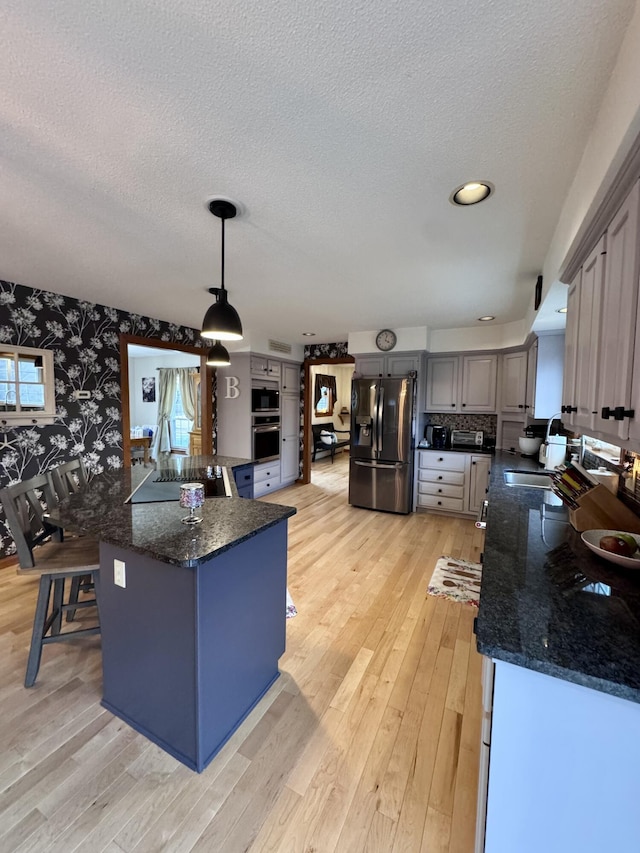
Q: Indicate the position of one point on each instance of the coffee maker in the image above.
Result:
(437, 436)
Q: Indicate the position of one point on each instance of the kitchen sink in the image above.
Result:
(529, 479)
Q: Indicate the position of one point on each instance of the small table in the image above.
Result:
(145, 443)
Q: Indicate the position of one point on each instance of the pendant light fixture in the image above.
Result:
(221, 322)
(218, 356)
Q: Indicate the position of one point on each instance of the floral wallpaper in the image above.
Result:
(85, 339)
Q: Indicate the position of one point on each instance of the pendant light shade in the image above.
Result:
(222, 322)
(218, 356)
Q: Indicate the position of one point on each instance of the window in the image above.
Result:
(179, 424)
(324, 395)
(26, 385)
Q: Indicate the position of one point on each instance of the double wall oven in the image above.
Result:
(265, 422)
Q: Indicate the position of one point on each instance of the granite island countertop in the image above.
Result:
(155, 529)
(547, 602)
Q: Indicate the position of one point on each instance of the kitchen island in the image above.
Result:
(192, 617)
(562, 715)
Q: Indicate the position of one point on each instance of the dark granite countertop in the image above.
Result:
(155, 529)
(547, 602)
(476, 451)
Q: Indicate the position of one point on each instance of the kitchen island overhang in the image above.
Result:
(192, 640)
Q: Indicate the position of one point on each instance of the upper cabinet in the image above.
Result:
(531, 383)
(579, 398)
(602, 381)
(290, 378)
(514, 382)
(266, 367)
(390, 365)
(465, 383)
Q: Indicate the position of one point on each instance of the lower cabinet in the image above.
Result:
(451, 481)
(243, 475)
(266, 478)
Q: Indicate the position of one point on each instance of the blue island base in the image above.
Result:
(188, 652)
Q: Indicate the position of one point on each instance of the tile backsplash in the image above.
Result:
(487, 423)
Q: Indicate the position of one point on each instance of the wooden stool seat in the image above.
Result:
(42, 555)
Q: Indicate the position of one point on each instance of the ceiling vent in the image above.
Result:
(278, 346)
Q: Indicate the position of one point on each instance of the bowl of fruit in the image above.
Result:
(617, 547)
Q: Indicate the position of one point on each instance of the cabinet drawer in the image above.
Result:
(447, 461)
(265, 486)
(437, 502)
(438, 489)
(267, 471)
(437, 475)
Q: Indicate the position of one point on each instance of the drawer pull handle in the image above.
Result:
(441, 459)
(440, 477)
(439, 491)
(439, 503)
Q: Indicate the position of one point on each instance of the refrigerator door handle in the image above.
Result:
(389, 465)
(379, 418)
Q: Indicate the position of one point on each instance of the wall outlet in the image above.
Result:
(119, 576)
(82, 395)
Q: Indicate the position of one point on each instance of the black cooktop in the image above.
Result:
(164, 485)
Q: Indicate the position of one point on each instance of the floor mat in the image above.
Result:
(456, 579)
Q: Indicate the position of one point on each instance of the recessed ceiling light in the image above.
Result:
(561, 311)
(471, 193)
(487, 318)
(309, 334)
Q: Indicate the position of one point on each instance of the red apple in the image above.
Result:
(616, 545)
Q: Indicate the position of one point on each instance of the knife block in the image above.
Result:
(599, 509)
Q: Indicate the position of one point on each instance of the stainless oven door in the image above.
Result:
(266, 442)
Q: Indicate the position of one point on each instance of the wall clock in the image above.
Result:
(386, 340)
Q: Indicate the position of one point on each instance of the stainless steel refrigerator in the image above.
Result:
(382, 440)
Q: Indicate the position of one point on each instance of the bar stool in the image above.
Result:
(67, 479)
(40, 553)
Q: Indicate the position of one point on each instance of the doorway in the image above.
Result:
(339, 413)
(204, 414)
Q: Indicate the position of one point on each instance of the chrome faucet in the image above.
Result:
(551, 420)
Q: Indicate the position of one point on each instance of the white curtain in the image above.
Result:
(167, 383)
(187, 392)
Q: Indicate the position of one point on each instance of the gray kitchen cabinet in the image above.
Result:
(513, 386)
(390, 365)
(569, 398)
(290, 378)
(290, 441)
(442, 384)
(263, 366)
(479, 376)
(618, 306)
(545, 366)
(452, 482)
(582, 408)
(234, 435)
(462, 383)
(479, 471)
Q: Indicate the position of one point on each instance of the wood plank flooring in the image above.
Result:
(367, 742)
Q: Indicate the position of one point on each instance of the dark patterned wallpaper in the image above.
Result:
(85, 339)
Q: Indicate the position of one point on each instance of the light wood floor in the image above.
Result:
(367, 742)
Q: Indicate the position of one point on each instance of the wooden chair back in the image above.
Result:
(24, 506)
(69, 478)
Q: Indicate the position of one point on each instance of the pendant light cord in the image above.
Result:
(222, 275)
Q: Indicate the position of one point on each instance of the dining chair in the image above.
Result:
(42, 554)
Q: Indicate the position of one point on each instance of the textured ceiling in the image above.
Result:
(340, 127)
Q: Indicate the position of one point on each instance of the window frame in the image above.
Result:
(20, 417)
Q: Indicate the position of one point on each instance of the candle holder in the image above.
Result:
(191, 498)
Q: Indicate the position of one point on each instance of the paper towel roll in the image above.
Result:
(607, 478)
